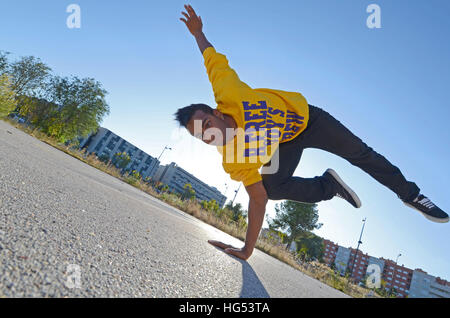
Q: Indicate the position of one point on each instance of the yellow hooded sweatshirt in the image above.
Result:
(265, 118)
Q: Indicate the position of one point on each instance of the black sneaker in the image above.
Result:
(428, 209)
(344, 191)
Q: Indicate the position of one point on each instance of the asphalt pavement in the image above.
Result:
(70, 230)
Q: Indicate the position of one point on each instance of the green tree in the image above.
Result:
(237, 212)
(81, 107)
(3, 62)
(211, 206)
(7, 97)
(29, 79)
(39, 112)
(295, 218)
(312, 245)
(121, 160)
(28, 76)
(302, 253)
(164, 188)
(104, 158)
(133, 177)
(189, 192)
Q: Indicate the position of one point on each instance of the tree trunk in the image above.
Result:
(288, 246)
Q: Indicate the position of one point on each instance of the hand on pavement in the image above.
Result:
(229, 249)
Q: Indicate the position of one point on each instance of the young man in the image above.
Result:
(270, 128)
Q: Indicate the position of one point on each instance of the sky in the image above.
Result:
(389, 86)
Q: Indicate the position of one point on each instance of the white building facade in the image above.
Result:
(176, 178)
(105, 143)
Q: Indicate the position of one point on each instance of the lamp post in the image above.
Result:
(236, 192)
(357, 248)
(151, 171)
(393, 272)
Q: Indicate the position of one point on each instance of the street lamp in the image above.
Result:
(393, 271)
(151, 171)
(357, 248)
(236, 192)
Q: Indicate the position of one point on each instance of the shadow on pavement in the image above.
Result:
(251, 285)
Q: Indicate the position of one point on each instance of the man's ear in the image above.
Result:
(217, 113)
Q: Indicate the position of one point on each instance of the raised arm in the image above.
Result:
(195, 26)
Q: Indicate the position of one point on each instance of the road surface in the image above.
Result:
(70, 230)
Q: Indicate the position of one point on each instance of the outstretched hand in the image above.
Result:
(229, 249)
(192, 21)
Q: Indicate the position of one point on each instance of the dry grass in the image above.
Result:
(221, 221)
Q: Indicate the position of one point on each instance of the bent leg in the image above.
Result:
(330, 135)
(283, 185)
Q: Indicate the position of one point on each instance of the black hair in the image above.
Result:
(183, 115)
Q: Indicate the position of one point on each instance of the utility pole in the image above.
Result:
(357, 248)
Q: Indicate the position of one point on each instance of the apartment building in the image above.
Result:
(329, 251)
(342, 259)
(105, 143)
(401, 280)
(397, 277)
(176, 178)
(424, 285)
(358, 264)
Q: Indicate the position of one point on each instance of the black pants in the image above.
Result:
(327, 133)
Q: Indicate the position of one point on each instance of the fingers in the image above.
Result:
(185, 14)
(191, 16)
(219, 244)
(190, 10)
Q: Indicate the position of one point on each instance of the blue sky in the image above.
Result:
(389, 86)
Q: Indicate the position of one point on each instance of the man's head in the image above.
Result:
(205, 123)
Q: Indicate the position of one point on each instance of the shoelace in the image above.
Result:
(425, 202)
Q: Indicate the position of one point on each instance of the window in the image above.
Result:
(99, 145)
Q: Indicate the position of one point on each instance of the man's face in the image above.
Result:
(210, 128)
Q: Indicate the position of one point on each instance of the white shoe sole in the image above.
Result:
(346, 187)
(433, 219)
